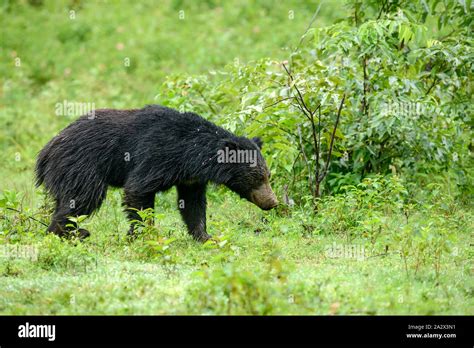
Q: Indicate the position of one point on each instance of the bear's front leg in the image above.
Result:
(192, 206)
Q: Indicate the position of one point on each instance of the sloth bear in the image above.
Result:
(146, 151)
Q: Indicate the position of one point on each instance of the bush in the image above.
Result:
(382, 94)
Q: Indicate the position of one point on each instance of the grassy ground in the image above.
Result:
(263, 263)
(288, 261)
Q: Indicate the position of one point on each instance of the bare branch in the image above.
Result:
(432, 85)
(277, 102)
(28, 216)
(317, 146)
(319, 142)
(311, 186)
(365, 105)
(382, 9)
(328, 161)
(299, 98)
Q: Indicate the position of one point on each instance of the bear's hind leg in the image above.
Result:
(62, 226)
(133, 202)
(192, 206)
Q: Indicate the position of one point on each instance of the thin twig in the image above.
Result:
(365, 106)
(279, 127)
(306, 160)
(319, 142)
(381, 9)
(207, 103)
(304, 34)
(323, 175)
(432, 85)
(317, 146)
(293, 169)
(277, 102)
(28, 216)
(356, 20)
(308, 27)
(384, 254)
(299, 99)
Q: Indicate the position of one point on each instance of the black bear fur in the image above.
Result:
(145, 151)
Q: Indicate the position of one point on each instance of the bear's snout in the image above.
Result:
(264, 197)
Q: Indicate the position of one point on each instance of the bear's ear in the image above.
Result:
(258, 141)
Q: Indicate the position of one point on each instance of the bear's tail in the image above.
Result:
(42, 164)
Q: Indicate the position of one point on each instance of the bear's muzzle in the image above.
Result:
(264, 197)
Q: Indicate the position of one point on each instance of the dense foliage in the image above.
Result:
(408, 97)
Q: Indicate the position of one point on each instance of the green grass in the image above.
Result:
(263, 262)
(269, 265)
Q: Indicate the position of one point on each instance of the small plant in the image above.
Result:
(76, 221)
(15, 220)
(223, 249)
(161, 246)
(236, 290)
(155, 243)
(424, 244)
